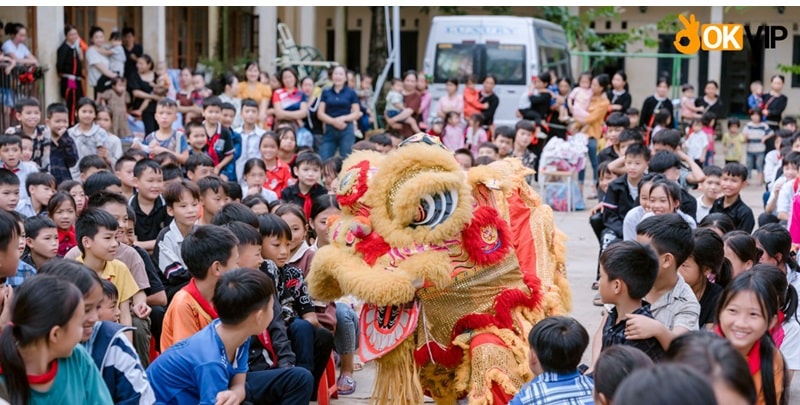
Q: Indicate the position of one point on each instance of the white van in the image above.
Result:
(512, 48)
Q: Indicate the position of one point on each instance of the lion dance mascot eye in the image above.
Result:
(454, 269)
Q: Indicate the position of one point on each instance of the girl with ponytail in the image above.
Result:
(40, 359)
(707, 271)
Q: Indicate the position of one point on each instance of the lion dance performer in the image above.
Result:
(454, 270)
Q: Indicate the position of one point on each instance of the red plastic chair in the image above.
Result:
(153, 352)
(327, 384)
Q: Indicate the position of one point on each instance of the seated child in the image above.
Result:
(611, 368)
(628, 270)
(183, 205)
(103, 338)
(41, 240)
(615, 124)
(209, 251)
(672, 302)
(396, 111)
(706, 271)
(311, 343)
(557, 344)
(308, 169)
(40, 186)
(488, 149)
(504, 140)
(710, 188)
(213, 195)
(734, 175)
(210, 366)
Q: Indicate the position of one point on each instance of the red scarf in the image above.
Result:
(13, 170)
(266, 341)
(777, 332)
(66, 241)
(212, 153)
(753, 357)
(191, 288)
(306, 201)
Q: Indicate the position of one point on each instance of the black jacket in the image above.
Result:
(649, 107)
(280, 344)
(688, 204)
(623, 100)
(617, 203)
(741, 215)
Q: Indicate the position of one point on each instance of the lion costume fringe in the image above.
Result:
(454, 271)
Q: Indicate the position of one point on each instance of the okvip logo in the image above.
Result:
(723, 37)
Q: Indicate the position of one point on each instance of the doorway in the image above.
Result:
(739, 69)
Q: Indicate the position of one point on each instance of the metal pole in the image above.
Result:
(389, 45)
(396, 40)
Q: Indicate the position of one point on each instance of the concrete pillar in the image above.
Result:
(51, 17)
(267, 32)
(340, 35)
(154, 32)
(715, 58)
(308, 24)
(213, 30)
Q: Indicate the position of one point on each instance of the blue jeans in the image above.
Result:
(335, 139)
(345, 340)
(285, 386)
(311, 346)
(755, 160)
(592, 146)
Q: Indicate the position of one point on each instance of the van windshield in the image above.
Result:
(506, 62)
(555, 59)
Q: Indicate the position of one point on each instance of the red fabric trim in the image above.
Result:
(523, 241)
(372, 247)
(359, 186)
(486, 252)
(191, 288)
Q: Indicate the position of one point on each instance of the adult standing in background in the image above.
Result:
(424, 101)
(452, 101)
(339, 108)
(69, 64)
(133, 51)
(253, 88)
(592, 125)
(97, 64)
(619, 96)
(488, 97)
(774, 104)
(141, 84)
(15, 48)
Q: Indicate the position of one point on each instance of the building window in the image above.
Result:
(665, 65)
(82, 18)
(796, 60)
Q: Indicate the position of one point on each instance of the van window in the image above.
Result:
(556, 59)
(506, 62)
(454, 60)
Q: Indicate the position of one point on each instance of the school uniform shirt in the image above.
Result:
(25, 270)
(219, 144)
(251, 148)
(61, 156)
(86, 144)
(188, 313)
(118, 274)
(293, 195)
(128, 256)
(291, 289)
(621, 197)
(148, 225)
(739, 213)
(608, 154)
(558, 389)
(120, 366)
(23, 170)
(702, 209)
(786, 195)
(169, 248)
(789, 347)
(25, 208)
(77, 382)
(695, 144)
(195, 370)
(614, 333)
(755, 134)
(278, 177)
(268, 195)
(176, 142)
(677, 307)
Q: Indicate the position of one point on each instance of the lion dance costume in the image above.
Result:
(454, 270)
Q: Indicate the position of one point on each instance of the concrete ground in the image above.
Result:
(582, 251)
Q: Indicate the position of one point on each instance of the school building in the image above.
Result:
(183, 36)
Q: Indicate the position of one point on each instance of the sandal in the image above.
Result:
(348, 382)
(358, 366)
(597, 301)
(595, 285)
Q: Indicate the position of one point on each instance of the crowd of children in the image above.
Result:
(188, 252)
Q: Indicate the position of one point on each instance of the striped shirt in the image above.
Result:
(556, 389)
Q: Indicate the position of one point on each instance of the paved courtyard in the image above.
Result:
(582, 248)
